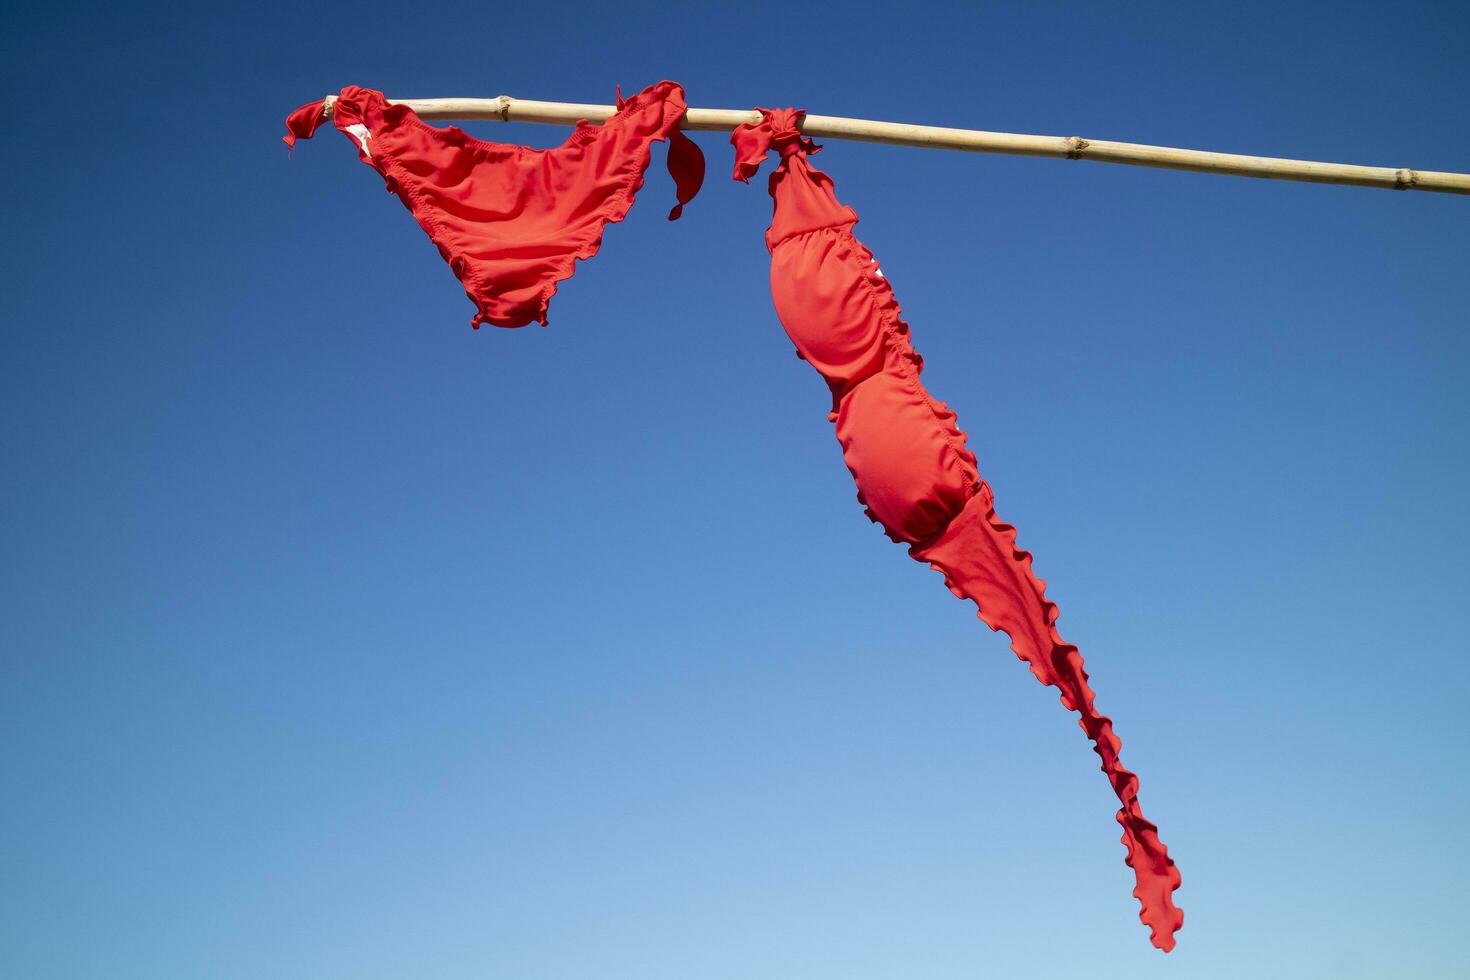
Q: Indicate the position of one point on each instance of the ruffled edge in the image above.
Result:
(1156, 877)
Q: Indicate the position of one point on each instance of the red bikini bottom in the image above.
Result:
(512, 221)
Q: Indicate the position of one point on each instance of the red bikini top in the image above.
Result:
(512, 221)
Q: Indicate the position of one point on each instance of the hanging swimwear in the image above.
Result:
(907, 454)
(512, 221)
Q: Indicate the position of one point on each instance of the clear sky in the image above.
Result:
(338, 640)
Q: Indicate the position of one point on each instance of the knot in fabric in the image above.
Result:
(778, 130)
(804, 197)
(786, 138)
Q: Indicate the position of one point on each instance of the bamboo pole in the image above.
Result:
(507, 109)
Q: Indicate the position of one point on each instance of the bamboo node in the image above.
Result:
(1075, 147)
(327, 105)
(1404, 179)
(502, 109)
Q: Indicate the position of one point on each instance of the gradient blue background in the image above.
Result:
(341, 641)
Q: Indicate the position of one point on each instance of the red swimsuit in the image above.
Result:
(512, 221)
(908, 456)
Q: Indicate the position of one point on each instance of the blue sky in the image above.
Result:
(339, 640)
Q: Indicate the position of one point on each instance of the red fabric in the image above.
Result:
(908, 456)
(512, 221)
